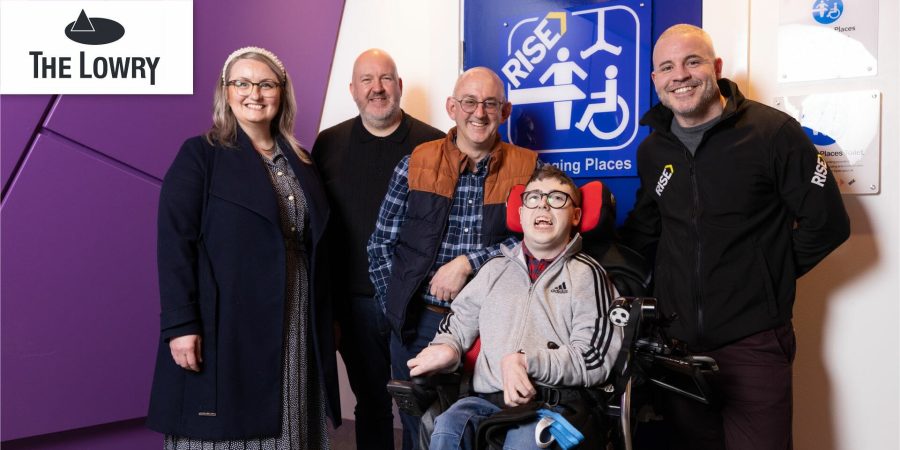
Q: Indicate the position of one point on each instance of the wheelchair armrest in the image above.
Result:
(412, 398)
(415, 396)
(685, 375)
(438, 380)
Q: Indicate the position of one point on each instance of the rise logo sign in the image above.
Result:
(664, 177)
(821, 172)
(94, 54)
(576, 77)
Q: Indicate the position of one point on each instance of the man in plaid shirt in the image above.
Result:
(443, 217)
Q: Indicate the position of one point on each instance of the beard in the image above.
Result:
(381, 117)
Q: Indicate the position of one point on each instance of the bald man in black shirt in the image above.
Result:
(356, 159)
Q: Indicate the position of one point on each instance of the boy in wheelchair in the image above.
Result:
(540, 311)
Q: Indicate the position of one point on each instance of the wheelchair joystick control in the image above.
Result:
(620, 312)
(643, 309)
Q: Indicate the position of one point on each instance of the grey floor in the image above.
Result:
(344, 438)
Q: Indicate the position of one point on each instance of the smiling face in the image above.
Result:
(376, 89)
(253, 109)
(547, 230)
(685, 71)
(477, 131)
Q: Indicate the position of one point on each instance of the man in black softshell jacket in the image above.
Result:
(735, 204)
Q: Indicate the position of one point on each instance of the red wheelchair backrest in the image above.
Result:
(591, 206)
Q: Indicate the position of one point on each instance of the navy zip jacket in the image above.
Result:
(734, 225)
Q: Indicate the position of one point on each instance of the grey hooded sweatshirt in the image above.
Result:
(559, 321)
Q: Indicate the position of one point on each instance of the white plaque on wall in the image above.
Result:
(826, 39)
(846, 129)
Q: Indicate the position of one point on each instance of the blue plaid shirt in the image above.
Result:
(463, 234)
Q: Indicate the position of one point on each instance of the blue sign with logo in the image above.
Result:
(577, 75)
(818, 137)
(827, 11)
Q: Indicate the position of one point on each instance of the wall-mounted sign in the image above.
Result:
(846, 129)
(826, 39)
(96, 47)
(577, 76)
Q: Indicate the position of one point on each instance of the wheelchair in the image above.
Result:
(648, 356)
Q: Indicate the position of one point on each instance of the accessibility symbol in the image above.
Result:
(574, 79)
(827, 11)
(610, 102)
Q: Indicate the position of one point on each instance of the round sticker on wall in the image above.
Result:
(827, 11)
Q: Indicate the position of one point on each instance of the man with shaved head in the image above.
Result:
(735, 204)
(356, 159)
(443, 218)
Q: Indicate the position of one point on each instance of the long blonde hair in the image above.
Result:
(224, 128)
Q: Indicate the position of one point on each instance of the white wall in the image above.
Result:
(846, 374)
(422, 37)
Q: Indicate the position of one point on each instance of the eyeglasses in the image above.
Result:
(555, 199)
(469, 105)
(267, 88)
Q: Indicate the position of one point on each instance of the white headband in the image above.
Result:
(259, 50)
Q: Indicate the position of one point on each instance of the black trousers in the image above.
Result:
(754, 404)
(365, 348)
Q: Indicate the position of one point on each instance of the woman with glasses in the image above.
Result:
(246, 356)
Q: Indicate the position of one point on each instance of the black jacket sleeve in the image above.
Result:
(810, 191)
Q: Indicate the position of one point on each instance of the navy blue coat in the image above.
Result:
(222, 275)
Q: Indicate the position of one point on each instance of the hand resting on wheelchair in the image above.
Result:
(517, 387)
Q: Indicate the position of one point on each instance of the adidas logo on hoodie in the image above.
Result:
(561, 289)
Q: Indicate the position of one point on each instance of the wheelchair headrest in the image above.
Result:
(596, 202)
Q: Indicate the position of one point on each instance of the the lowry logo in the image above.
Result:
(94, 30)
(96, 47)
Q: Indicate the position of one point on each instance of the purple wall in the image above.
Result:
(20, 117)
(81, 178)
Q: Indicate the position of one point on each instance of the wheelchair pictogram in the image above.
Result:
(611, 102)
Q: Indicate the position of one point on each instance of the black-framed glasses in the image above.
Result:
(555, 199)
(267, 88)
(469, 105)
